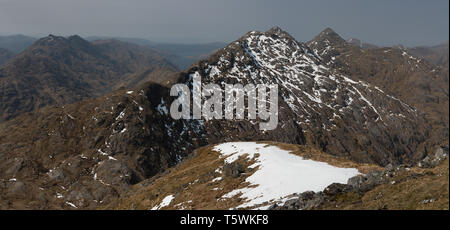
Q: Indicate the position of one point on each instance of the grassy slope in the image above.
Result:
(407, 190)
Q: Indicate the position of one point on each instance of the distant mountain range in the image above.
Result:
(182, 55)
(437, 55)
(16, 43)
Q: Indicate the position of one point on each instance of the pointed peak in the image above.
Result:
(328, 36)
(77, 41)
(75, 37)
(60, 42)
(328, 30)
(52, 36)
(277, 31)
(330, 33)
(273, 32)
(50, 39)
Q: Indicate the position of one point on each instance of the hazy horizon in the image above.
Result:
(383, 23)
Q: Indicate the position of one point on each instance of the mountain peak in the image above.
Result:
(75, 37)
(328, 30)
(59, 42)
(275, 30)
(50, 41)
(325, 42)
(330, 35)
(278, 31)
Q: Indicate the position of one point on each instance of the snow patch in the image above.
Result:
(280, 173)
(165, 202)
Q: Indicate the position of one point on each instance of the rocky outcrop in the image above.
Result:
(305, 201)
(433, 160)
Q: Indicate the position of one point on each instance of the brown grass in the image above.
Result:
(407, 190)
(192, 180)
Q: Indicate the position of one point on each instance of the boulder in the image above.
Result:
(233, 170)
(337, 188)
(366, 182)
(304, 201)
(17, 187)
(435, 159)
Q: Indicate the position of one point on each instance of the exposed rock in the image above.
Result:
(368, 181)
(233, 170)
(56, 175)
(433, 160)
(304, 201)
(337, 188)
(389, 167)
(17, 187)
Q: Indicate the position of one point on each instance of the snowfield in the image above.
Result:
(280, 173)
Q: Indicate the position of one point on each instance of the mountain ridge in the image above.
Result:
(58, 70)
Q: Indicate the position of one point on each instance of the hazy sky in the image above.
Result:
(382, 22)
